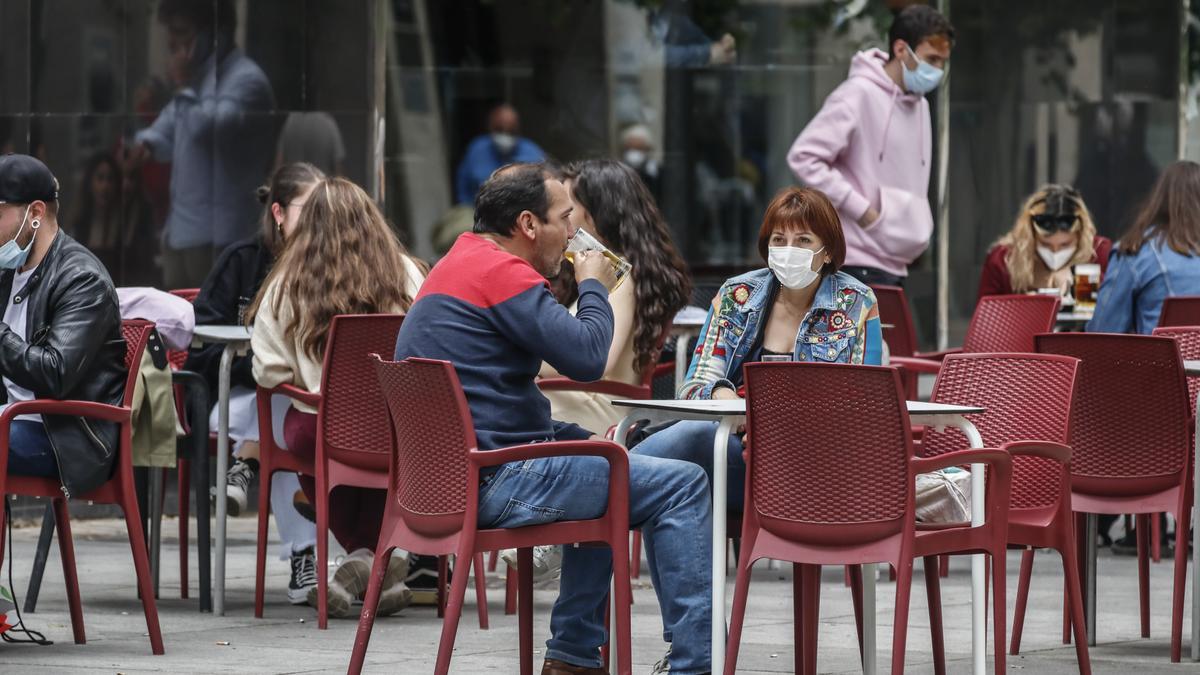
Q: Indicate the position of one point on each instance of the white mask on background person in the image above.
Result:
(1055, 260)
(505, 143)
(792, 265)
(635, 158)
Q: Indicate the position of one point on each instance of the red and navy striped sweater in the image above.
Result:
(493, 316)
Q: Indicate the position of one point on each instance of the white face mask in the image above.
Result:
(1055, 260)
(634, 158)
(505, 143)
(793, 265)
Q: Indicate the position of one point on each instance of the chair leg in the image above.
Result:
(183, 484)
(510, 591)
(66, 551)
(525, 608)
(900, 622)
(366, 619)
(1143, 561)
(944, 565)
(1182, 527)
(741, 592)
(1022, 599)
(798, 629)
(322, 555)
(854, 579)
(622, 601)
(811, 575)
(1074, 599)
(999, 606)
(40, 556)
(635, 554)
(141, 565)
(493, 558)
(933, 592)
(443, 572)
(481, 591)
(453, 610)
(260, 553)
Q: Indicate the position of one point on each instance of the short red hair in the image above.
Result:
(805, 208)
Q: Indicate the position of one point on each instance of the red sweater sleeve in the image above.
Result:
(994, 279)
(1103, 246)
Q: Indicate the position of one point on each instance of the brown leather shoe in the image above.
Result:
(556, 667)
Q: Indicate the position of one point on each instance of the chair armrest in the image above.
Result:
(45, 406)
(992, 456)
(615, 454)
(915, 364)
(606, 387)
(293, 392)
(1056, 451)
(938, 355)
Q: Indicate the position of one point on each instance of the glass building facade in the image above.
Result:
(711, 93)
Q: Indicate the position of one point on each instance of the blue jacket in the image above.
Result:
(482, 158)
(1132, 294)
(842, 326)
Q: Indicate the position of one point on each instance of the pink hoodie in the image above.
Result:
(871, 146)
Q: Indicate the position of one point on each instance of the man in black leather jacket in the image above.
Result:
(60, 334)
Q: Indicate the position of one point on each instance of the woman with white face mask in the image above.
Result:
(1053, 233)
(799, 308)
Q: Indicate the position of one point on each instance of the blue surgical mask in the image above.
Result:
(924, 79)
(12, 256)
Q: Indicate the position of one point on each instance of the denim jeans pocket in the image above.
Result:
(520, 514)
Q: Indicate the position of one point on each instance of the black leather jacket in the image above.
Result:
(72, 349)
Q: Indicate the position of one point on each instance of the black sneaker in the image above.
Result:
(237, 486)
(304, 576)
(422, 579)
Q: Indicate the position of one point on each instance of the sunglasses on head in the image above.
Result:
(1055, 222)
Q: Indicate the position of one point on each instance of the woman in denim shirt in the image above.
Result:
(800, 307)
(1156, 259)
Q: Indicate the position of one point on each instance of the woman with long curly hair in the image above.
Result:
(343, 258)
(613, 205)
(1053, 232)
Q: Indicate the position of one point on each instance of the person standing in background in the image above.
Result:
(215, 133)
(502, 144)
(869, 149)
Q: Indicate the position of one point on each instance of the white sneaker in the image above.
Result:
(547, 562)
(395, 595)
(347, 583)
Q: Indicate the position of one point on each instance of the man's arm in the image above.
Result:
(82, 315)
(814, 152)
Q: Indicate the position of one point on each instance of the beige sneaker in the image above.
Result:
(347, 584)
(395, 595)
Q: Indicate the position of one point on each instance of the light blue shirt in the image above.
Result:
(219, 139)
(1132, 294)
(482, 158)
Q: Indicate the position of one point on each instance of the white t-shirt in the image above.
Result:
(15, 316)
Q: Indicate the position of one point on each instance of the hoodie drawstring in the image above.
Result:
(887, 125)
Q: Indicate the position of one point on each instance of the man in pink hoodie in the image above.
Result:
(870, 147)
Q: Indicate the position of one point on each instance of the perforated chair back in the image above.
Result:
(1188, 339)
(1129, 421)
(1007, 323)
(432, 433)
(1025, 397)
(177, 357)
(136, 333)
(829, 448)
(353, 420)
(1180, 310)
(901, 338)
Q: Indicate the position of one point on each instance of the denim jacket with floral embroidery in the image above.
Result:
(841, 327)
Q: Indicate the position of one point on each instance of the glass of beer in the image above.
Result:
(1087, 284)
(582, 241)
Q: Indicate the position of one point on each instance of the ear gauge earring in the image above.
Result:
(35, 224)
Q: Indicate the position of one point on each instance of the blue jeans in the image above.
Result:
(668, 500)
(692, 441)
(29, 451)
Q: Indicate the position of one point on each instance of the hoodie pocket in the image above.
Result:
(905, 223)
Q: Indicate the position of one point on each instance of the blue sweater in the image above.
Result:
(492, 315)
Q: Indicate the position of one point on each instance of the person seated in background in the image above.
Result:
(230, 287)
(1053, 232)
(501, 145)
(1156, 258)
(342, 258)
(60, 335)
(800, 308)
(487, 308)
(637, 152)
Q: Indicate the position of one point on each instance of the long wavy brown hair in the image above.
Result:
(1022, 240)
(343, 258)
(1171, 212)
(629, 222)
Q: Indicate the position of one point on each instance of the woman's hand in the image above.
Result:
(724, 394)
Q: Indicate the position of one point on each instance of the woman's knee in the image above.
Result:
(688, 440)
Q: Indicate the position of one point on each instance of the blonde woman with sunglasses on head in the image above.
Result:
(1053, 232)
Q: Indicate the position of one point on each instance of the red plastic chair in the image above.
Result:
(433, 502)
(119, 489)
(1180, 310)
(1188, 339)
(1001, 323)
(1131, 434)
(353, 437)
(183, 473)
(901, 338)
(1027, 402)
(813, 502)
